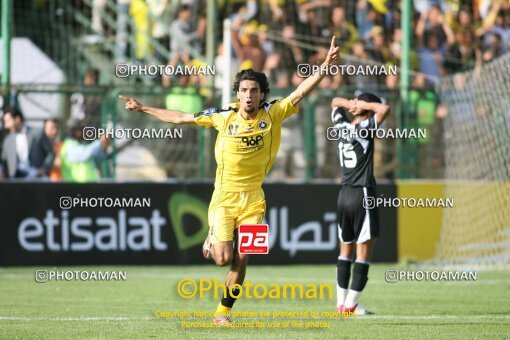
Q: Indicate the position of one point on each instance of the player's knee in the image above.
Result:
(224, 259)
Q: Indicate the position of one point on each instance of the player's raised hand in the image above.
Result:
(332, 57)
(131, 104)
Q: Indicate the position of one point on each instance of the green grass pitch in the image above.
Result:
(127, 309)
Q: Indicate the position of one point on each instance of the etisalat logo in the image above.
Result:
(67, 232)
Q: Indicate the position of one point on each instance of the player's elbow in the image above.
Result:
(383, 111)
(297, 96)
(176, 119)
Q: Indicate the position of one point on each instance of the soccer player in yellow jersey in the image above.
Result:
(248, 140)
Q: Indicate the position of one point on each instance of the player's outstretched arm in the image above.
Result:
(168, 116)
(311, 82)
(381, 111)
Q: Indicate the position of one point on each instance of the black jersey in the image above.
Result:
(356, 149)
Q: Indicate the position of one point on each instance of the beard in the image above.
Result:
(249, 109)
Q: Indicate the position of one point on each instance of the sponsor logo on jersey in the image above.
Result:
(249, 143)
(233, 129)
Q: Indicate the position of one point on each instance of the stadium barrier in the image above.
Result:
(165, 223)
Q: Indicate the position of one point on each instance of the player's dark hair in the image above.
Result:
(14, 112)
(250, 74)
(369, 98)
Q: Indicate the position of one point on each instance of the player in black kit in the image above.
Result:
(355, 122)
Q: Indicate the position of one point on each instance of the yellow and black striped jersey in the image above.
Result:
(245, 150)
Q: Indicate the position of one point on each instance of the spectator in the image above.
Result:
(290, 56)
(248, 49)
(493, 49)
(366, 17)
(461, 54)
(242, 13)
(502, 28)
(139, 12)
(423, 100)
(433, 22)
(361, 57)
(121, 37)
(272, 58)
(87, 108)
(79, 161)
(464, 22)
(434, 37)
(311, 14)
(183, 36)
(340, 27)
(396, 44)
(51, 131)
(379, 50)
(496, 22)
(8, 123)
(26, 152)
(431, 57)
(160, 15)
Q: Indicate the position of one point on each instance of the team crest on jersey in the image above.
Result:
(263, 125)
(364, 123)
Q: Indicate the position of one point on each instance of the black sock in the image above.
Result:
(359, 276)
(343, 273)
(229, 300)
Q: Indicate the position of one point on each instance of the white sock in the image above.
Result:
(352, 298)
(341, 294)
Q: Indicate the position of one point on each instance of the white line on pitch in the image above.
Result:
(365, 317)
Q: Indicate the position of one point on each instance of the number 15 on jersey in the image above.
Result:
(348, 157)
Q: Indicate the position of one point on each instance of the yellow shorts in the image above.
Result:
(228, 210)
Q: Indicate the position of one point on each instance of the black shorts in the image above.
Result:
(355, 222)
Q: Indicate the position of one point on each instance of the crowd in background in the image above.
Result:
(274, 36)
(271, 36)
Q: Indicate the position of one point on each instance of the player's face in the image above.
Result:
(354, 108)
(249, 96)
